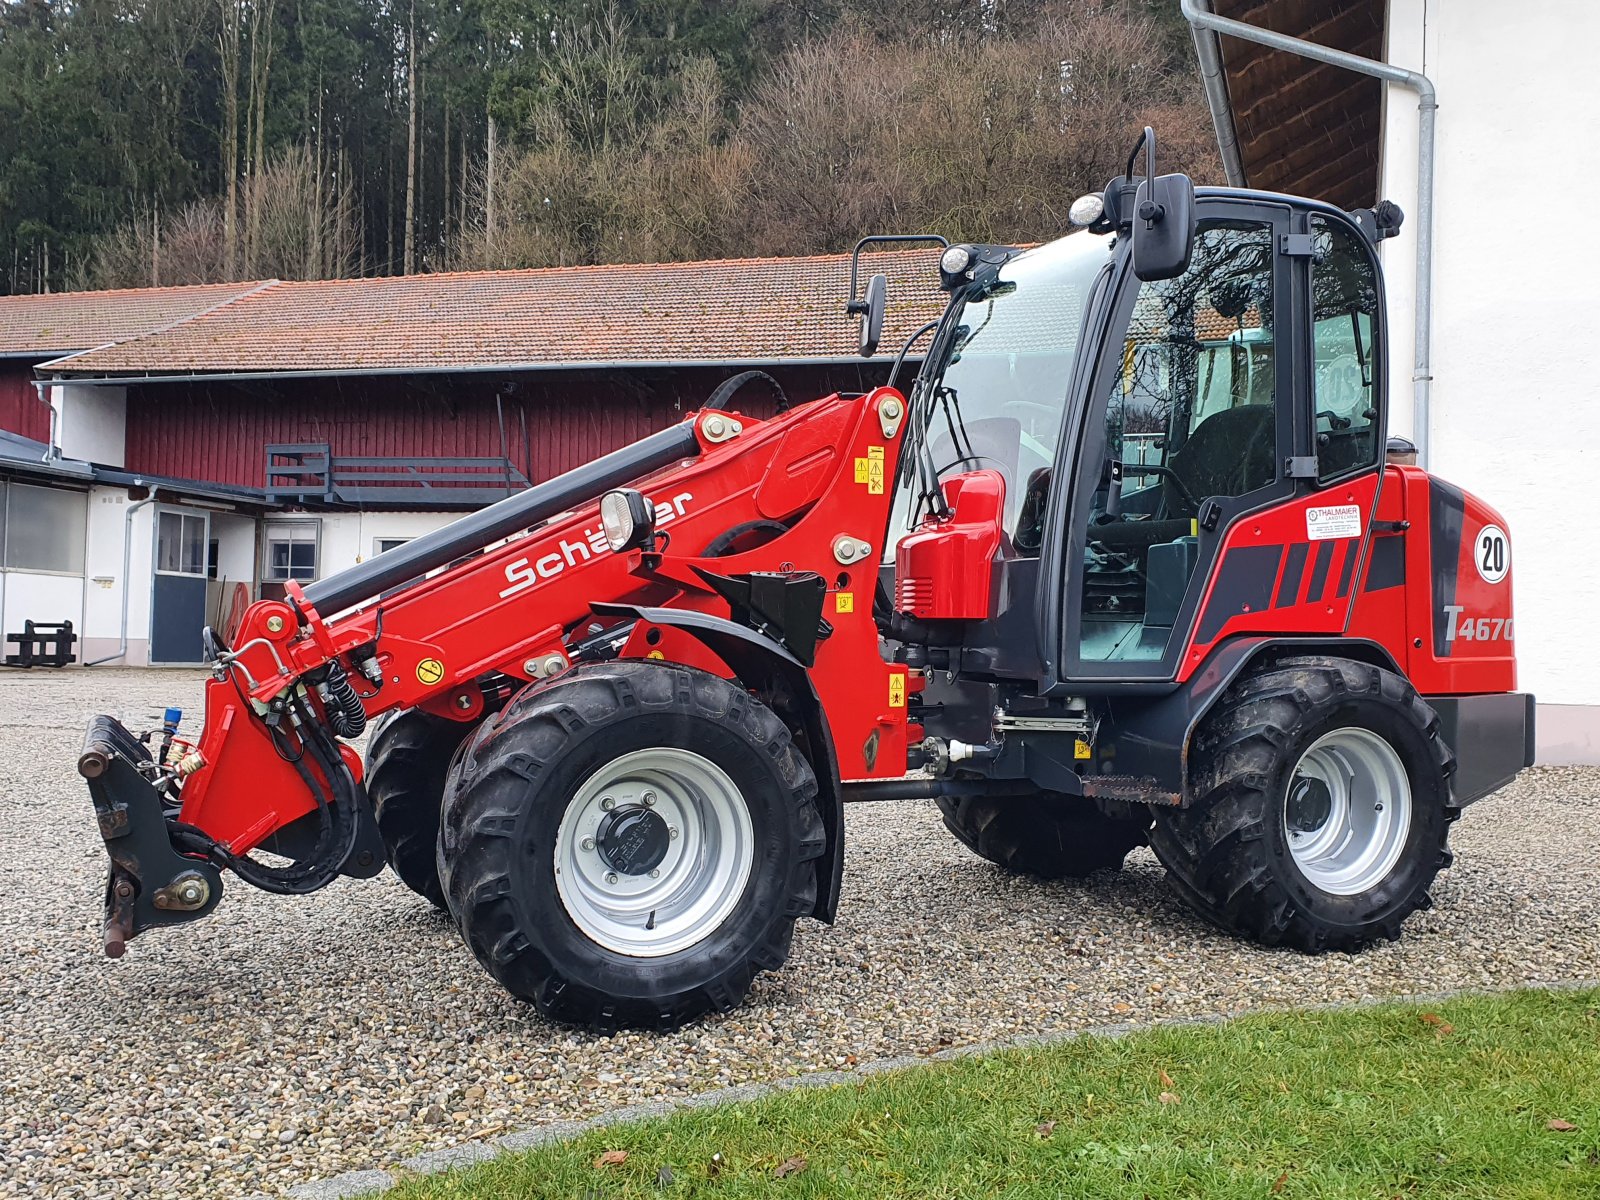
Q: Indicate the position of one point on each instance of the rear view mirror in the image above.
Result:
(1162, 217)
(871, 308)
(1163, 227)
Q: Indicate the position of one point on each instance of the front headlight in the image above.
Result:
(628, 518)
(955, 260)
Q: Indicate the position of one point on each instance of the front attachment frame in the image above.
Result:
(149, 883)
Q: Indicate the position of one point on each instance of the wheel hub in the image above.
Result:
(653, 851)
(633, 840)
(1310, 804)
(1347, 811)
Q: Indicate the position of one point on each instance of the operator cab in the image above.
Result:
(1130, 391)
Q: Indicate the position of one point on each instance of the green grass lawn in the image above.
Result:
(1479, 1097)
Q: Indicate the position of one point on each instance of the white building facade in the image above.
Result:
(1515, 410)
(1513, 413)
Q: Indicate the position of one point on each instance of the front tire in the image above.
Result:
(1321, 807)
(630, 844)
(408, 758)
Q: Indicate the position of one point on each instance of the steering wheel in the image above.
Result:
(1170, 476)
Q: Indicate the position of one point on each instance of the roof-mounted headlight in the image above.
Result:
(1086, 210)
(628, 518)
(955, 260)
(956, 266)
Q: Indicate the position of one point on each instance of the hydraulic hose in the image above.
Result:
(338, 826)
(346, 717)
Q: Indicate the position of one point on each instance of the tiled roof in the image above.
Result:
(713, 312)
(58, 322)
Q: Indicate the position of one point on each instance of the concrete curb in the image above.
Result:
(374, 1181)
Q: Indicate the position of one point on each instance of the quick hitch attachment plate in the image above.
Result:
(149, 883)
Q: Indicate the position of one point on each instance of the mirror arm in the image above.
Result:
(854, 307)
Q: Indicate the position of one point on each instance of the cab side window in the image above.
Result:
(1344, 296)
(1190, 418)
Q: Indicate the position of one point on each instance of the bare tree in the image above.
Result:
(306, 224)
(410, 259)
(229, 54)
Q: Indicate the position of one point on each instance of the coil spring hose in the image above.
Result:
(346, 717)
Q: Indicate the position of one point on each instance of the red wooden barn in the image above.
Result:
(176, 452)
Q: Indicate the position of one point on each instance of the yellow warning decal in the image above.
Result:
(874, 470)
(897, 691)
(655, 654)
(1081, 749)
(430, 671)
(844, 602)
(863, 470)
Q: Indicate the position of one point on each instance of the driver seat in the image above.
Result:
(1229, 453)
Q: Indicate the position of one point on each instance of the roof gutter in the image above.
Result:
(1207, 28)
(511, 368)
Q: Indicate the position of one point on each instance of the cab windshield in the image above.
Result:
(998, 402)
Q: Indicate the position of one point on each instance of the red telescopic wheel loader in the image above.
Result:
(1124, 565)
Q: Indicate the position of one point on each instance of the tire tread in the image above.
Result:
(478, 848)
(1215, 851)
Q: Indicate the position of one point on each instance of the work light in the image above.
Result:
(629, 519)
(1086, 210)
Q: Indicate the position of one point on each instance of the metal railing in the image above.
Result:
(310, 471)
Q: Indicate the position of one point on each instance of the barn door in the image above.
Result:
(178, 596)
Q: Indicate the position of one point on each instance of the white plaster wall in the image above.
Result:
(103, 587)
(91, 422)
(236, 547)
(347, 538)
(1516, 394)
(33, 596)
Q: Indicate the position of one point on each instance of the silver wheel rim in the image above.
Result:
(1362, 783)
(681, 899)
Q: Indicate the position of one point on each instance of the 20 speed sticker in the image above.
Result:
(1491, 553)
(430, 671)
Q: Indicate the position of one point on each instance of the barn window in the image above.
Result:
(291, 550)
(44, 529)
(180, 544)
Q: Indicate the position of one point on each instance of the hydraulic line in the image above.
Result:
(338, 826)
(346, 717)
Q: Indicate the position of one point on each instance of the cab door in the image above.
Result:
(1189, 422)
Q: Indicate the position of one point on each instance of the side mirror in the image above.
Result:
(1163, 227)
(871, 308)
(1162, 216)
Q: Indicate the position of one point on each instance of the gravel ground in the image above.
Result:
(283, 1040)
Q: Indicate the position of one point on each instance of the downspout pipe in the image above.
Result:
(1207, 27)
(1215, 80)
(52, 450)
(127, 584)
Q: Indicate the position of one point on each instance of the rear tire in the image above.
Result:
(1321, 807)
(1048, 835)
(556, 892)
(408, 758)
